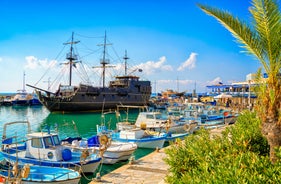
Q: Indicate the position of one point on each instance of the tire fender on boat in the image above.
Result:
(25, 171)
(143, 125)
(104, 143)
(15, 169)
(186, 127)
(2, 179)
(84, 155)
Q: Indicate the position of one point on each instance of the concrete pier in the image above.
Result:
(150, 169)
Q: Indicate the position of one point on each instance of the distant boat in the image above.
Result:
(126, 89)
(34, 101)
(6, 101)
(151, 120)
(21, 98)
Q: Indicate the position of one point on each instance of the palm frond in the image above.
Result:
(267, 21)
(241, 31)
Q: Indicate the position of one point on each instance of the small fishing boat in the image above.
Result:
(22, 97)
(173, 137)
(44, 148)
(111, 151)
(150, 120)
(189, 128)
(143, 138)
(34, 174)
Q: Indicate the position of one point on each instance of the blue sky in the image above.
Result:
(177, 45)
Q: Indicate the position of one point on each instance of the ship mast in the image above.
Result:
(126, 58)
(104, 61)
(71, 57)
(23, 87)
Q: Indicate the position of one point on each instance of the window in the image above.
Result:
(56, 140)
(36, 142)
(149, 116)
(48, 142)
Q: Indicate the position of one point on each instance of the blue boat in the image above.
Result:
(30, 174)
(45, 149)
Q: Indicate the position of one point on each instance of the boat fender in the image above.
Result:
(143, 125)
(75, 143)
(25, 171)
(84, 155)
(103, 139)
(195, 114)
(2, 179)
(15, 169)
(186, 127)
(66, 154)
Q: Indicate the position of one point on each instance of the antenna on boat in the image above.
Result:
(126, 58)
(71, 57)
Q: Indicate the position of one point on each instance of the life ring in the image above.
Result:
(25, 171)
(186, 127)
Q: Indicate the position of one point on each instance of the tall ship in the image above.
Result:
(126, 89)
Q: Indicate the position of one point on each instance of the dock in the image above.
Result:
(150, 169)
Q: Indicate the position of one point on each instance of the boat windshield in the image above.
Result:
(56, 140)
(158, 116)
(48, 142)
(36, 142)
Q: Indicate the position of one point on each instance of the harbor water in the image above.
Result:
(67, 125)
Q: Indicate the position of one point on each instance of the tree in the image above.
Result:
(262, 39)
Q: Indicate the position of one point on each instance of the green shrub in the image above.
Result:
(239, 155)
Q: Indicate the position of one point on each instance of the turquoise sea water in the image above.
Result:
(74, 124)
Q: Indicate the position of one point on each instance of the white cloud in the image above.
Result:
(1, 59)
(34, 63)
(151, 67)
(215, 81)
(189, 63)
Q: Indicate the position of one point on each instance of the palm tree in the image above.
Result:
(262, 39)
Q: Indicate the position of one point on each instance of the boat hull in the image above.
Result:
(38, 174)
(88, 166)
(96, 99)
(149, 142)
(118, 152)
